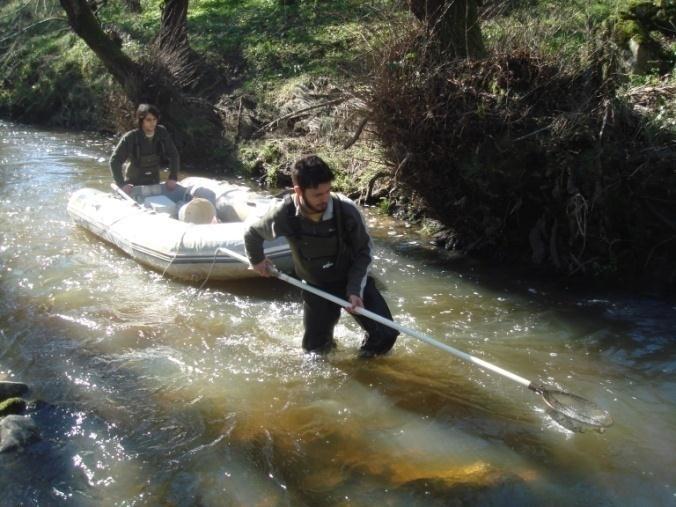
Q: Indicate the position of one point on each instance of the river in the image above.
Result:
(150, 391)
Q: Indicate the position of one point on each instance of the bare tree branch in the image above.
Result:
(299, 112)
(357, 134)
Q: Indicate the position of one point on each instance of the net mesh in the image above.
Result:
(577, 408)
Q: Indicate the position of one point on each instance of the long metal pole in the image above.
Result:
(394, 325)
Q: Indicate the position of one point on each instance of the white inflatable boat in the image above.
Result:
(147, 228)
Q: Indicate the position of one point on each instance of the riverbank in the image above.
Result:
(551, 155)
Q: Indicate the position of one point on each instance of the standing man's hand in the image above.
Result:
(264, 268)
(170, 184)
(356, 302)
(127, 188)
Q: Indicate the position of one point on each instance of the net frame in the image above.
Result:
(575, 407)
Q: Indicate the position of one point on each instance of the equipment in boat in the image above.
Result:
(150, 232)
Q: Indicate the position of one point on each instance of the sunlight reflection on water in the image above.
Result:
(151, 391)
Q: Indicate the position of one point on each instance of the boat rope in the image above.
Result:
(178, 245)
(199, 290)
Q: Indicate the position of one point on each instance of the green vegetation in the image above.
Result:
(48, 75)
(268, 41)
(258, 42)
(545, 152)
(555, 27)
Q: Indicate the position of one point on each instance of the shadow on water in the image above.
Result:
(629, 328)
(323, 454)
(454, 403)
(105, 424)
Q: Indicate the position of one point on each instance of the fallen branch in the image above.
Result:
(400, 166)
(372, 182)
(535, 132)
(357, 134)
(371, 161)
(299, 112)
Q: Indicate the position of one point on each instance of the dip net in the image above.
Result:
(576, 408)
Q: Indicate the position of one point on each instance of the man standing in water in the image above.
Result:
(331, 250)
(146, 148)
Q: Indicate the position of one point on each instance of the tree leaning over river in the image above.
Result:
(85, 24)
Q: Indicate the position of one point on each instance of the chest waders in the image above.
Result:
(325, 254)
(144, 167)
(320, 249)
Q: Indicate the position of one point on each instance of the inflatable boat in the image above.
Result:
(172, 237)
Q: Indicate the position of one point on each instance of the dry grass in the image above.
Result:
(525, 158)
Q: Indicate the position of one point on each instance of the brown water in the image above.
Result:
(151, 392)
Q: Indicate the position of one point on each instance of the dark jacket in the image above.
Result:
(335, 249)
(144, 167)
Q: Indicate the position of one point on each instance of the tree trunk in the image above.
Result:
(195, 126)
(453, 23)
(123, 69)
(174, 29)
(133, 5)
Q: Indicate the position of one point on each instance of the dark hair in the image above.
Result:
(310, 171)
(144, 110)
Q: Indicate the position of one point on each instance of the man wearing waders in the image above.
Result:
(331, 250)
(147, 149)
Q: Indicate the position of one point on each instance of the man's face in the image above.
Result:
(315, 199)
(149, 124)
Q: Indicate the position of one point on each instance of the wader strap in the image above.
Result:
(136, 151)
(338, 215)
(294, 220)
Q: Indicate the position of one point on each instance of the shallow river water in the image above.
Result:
(149, 391)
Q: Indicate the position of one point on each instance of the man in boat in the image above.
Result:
(147, 149)
(331, 249)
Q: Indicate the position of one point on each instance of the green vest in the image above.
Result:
(146, 160)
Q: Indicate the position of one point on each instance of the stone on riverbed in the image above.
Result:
(12, 406)
(11, 389)
(17, 431)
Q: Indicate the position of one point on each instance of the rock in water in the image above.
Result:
(12, 389)
(17, 431)
(12, 406)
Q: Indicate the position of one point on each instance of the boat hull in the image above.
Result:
(177, 249)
